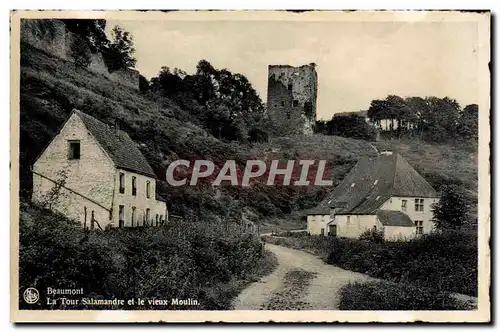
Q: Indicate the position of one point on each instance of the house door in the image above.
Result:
(332, 230)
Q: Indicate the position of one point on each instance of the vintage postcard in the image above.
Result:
(250, 166)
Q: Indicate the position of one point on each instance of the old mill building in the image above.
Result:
(96, 174)
(383, 193)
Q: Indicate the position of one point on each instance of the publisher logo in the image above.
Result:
(31, 295)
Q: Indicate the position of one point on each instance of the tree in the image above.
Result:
(91, 31)
(226, 103)
(80, 52)
(452, 209)
(320, 127)
(120, 52)
(416, 107)
(143, 83)
(352, 126)
(468, 122)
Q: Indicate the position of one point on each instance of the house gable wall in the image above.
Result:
(88, 181)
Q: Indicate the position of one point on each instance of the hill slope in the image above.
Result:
(52, 87)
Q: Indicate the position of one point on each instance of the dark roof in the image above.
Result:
(394, 218)
(118, 145)
(371, 182)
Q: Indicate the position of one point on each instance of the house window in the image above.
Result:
(322, 231)
(348, 219)
(92, 220)
(147, 215)
(74, 150)
(403, 205)
(148, 184)
(132, 217)
(419, 224)
(134, 186)
(122, 183)
(283, 103)
(419, 204)
(290, 86)
(84, 217)
(121, 217)
(157, 220)
(295, 103)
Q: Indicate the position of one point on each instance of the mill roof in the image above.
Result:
(371, 182)
(118, 145)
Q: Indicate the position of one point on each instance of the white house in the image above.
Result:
(96, 174)
(383, 193)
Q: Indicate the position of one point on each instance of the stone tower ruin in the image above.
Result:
(291, 98)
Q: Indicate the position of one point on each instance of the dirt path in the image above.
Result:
(300, 282)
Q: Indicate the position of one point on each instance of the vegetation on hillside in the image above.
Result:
(118, 53)
(431, 119)
(52, 87)
(225, 103)
(215, 115)
(205, 262)
(452, 209)
(429, 261)
(352, 126)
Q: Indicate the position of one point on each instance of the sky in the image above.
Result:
(356, 61)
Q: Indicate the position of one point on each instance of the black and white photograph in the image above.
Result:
(250, 166)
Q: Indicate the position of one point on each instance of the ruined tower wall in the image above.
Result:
(291, 98)
(52, 37)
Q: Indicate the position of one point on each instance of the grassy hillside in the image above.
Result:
(51, 88)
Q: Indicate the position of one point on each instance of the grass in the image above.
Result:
(446, 262)
(295, 283)
(222, 295)
(390, 296)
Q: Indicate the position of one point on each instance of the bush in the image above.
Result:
(444, 261)
(181, 260)
(372, 235)
(80, 52)
(390, 296)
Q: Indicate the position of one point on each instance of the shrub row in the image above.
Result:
(185, 260)
(389, 296)
(446, 261)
